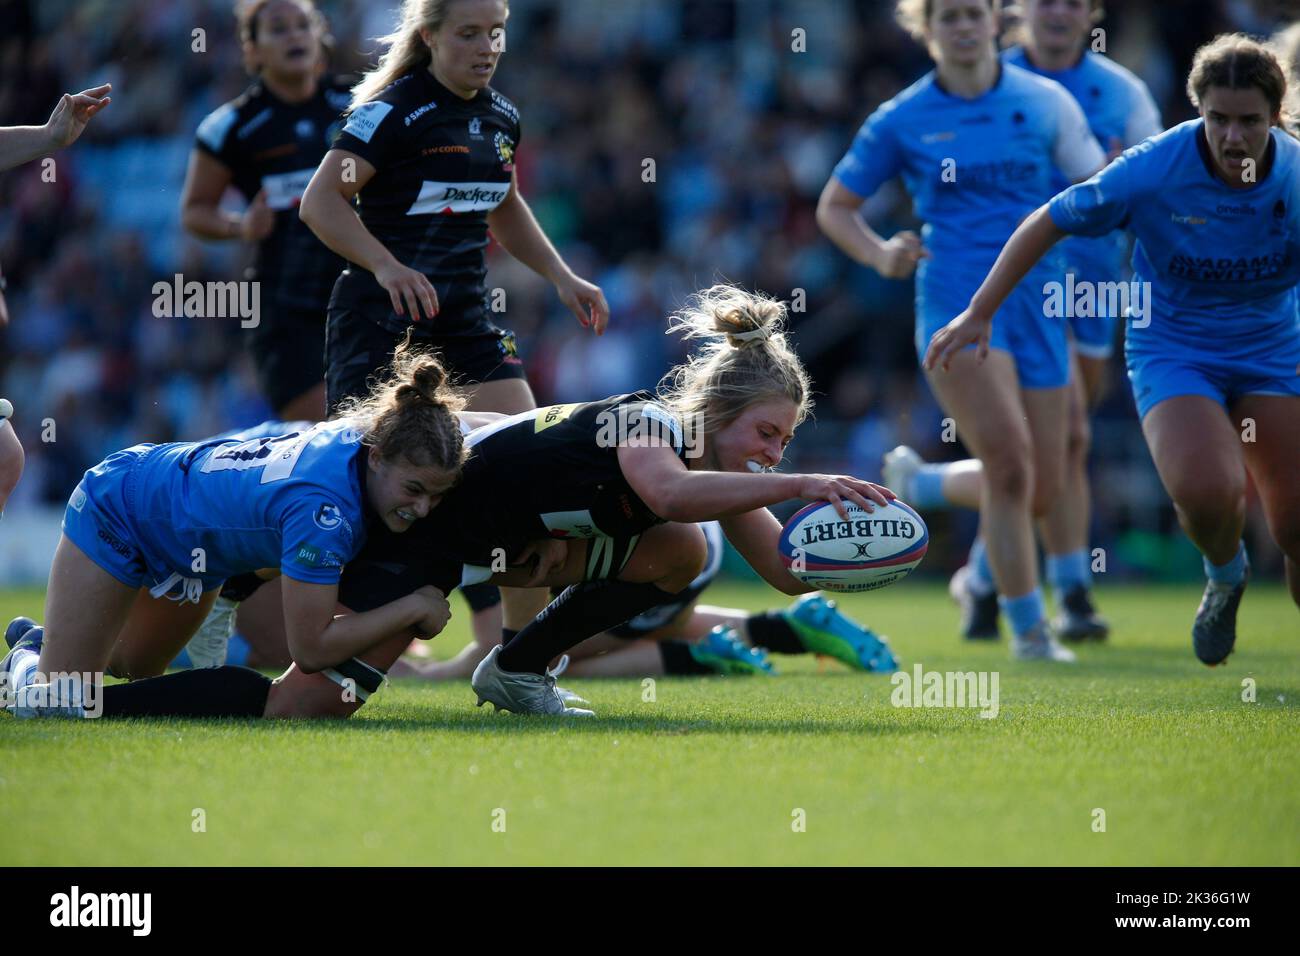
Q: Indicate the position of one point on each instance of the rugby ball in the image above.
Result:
(868, 551)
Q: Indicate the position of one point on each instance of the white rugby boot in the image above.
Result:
(207, 648)
(899, 468)
(519, 693)
(1040, 644)
(568, 696)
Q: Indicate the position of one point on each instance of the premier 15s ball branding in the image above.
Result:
(868, 551)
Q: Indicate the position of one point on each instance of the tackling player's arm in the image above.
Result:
(318, 639)
(515, 227)
(327, 209)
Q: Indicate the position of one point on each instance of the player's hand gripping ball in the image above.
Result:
(866, 552)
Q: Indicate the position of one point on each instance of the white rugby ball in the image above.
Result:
(868, 551)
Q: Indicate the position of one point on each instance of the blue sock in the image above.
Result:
(237, 650)
(981, 572)
(1025, 611)
(1070, 570)
(927, 488)
(1231, 574)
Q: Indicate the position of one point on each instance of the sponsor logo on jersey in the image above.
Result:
(1187, 220)
(1235, 209)
(476, 128)
(504, 106)
(505, 150)
(1241, 269)
(417, 113)
(570, 524)
(509, 349)
(78, 499)
(552, 415)
(453, 148)
(365, 119)
(944, 137)
(445, 198)
(284, 190)
(328, 517)
(314, 557)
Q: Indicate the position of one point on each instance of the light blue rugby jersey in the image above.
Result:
(291, 501)
(1002, 153)
(1119, 108)
(1223, 263)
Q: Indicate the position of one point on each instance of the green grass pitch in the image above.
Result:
(716, 771)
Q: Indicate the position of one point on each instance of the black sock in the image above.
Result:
(241, 587)
(507, 636)
(208, 692)
(582, 611)
(772, 631)
(480, 597)
(678, 659)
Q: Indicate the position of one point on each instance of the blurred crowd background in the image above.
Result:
(744, 132)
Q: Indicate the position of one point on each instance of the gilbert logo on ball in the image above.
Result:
(868, 551)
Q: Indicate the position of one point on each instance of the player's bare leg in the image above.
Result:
(1015, 433)
(1273, 459)
(155, 631)
(1199, 455)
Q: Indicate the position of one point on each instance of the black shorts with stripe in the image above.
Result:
(391, 566)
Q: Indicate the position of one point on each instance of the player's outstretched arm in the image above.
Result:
(317, 639)
(757, 535)
(675, 493)
(1029, 243)
(516, 228)
(19, 144)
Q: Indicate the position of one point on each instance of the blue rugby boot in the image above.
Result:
(724, 651)
(824, 629)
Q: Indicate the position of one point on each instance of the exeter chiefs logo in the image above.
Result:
(505, 150)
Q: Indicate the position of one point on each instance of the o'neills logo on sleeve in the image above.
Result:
(444, 198)
(103, 909)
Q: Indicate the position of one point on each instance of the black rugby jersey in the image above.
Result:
(551, 472)
(442, 164)
(275, 146)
